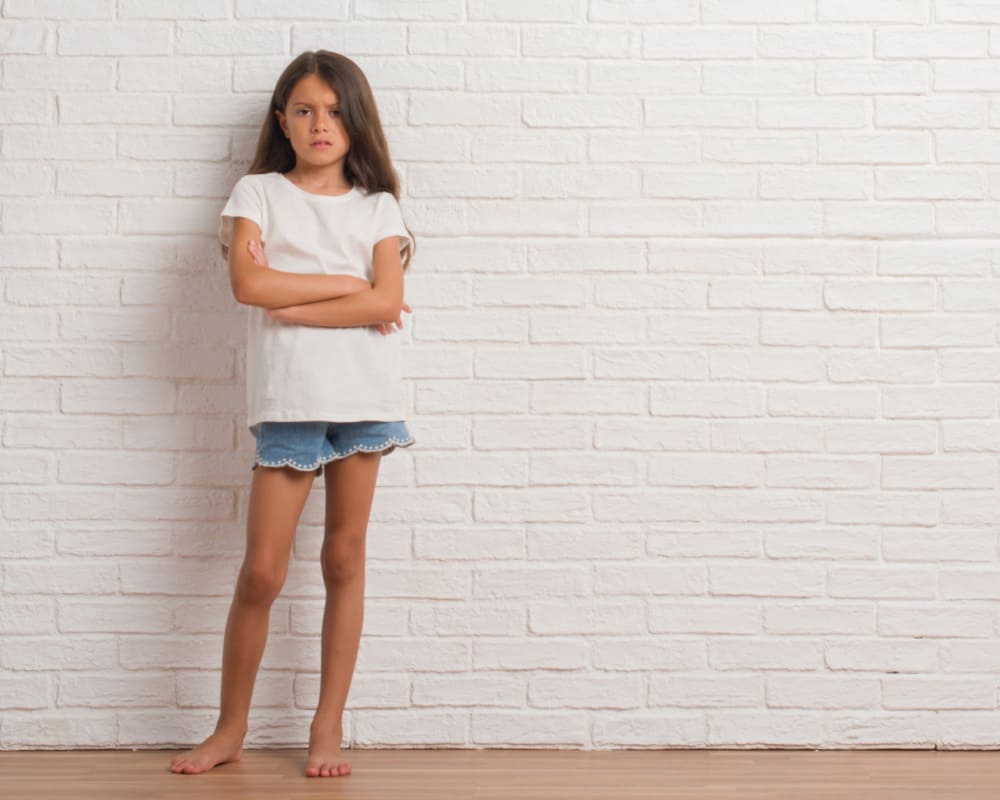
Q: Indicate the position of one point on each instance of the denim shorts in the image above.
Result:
(311, 444)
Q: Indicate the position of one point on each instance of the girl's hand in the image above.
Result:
(257, 253)
(385, 328)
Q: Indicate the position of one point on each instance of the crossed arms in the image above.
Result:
(332, 301)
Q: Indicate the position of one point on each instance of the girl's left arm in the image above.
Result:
(366, 307)
(381, 304)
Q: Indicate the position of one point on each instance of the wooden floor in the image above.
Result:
(514, 775)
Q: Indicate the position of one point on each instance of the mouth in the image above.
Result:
(321, 143)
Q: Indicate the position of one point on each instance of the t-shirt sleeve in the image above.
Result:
(389, 221)
(245, 201)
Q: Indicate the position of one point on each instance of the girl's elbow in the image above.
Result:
(391, 311)
(240, 292)
(251, 291)
(389, 308)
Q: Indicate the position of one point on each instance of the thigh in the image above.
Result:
(350, 489)
(277, 497)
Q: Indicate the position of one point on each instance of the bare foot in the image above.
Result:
(325, 758)
(219, 748)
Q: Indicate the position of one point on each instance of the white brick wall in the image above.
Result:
(703, 372)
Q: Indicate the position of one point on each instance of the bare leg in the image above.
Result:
(350, 488)
(277, 496)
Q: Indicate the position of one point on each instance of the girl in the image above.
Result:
(323, 375)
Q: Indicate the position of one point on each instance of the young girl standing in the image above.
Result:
(324, 391)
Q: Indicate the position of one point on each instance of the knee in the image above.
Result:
(343, 562)
(259, 584)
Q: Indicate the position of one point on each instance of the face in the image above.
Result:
(312, 113)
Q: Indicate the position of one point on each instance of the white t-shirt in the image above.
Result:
(303, 372)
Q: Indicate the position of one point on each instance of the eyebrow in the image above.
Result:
(303, 103)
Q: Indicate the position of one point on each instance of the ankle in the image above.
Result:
(325, 723)
(232, 730)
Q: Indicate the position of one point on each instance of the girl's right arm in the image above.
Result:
(257, 285)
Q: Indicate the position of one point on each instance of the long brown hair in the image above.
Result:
(368, 164)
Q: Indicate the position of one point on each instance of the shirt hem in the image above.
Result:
(357, 416)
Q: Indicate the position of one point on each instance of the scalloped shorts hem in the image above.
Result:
(309, 446)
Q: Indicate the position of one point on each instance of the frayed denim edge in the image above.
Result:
(392, 440)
